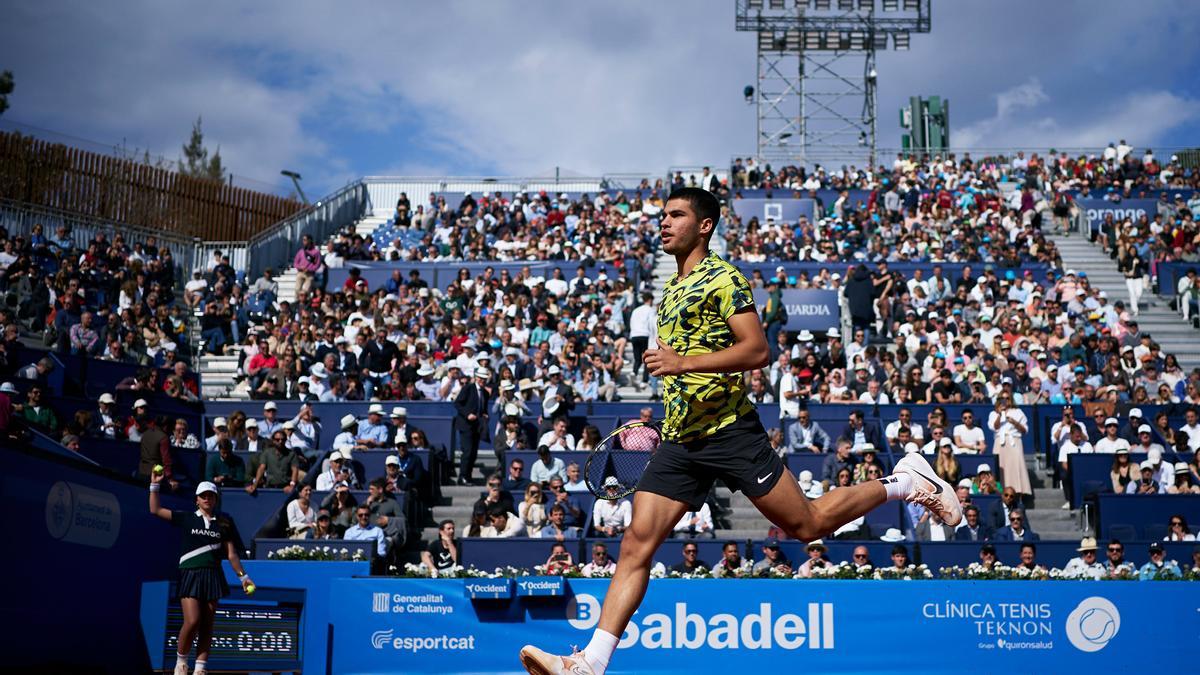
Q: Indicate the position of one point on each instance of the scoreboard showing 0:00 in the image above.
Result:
(244, 635)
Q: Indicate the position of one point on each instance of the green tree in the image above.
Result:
(6, 88)
(196, 162)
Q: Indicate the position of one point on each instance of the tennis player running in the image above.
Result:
(708, 335)
(205, 541)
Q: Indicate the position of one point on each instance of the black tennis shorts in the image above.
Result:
(739, 454)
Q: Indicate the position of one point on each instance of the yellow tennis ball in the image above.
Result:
(158, 468)
(250, 589)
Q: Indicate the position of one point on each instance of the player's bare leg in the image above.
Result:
(653, 518)
(913, 480)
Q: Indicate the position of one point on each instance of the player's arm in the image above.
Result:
(155, 507)
(749, 351)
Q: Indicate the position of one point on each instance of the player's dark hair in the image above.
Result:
(442, 525)
(703, 202)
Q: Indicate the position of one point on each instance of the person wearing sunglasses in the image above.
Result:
(1016, 530)
(1158, 566)
(1116, 564)
(1178, 529)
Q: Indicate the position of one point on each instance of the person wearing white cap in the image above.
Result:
(470, 421)
(1182, 481)
(347, 438)
(340, 469)
(1145, 443)
(429, 387)
(401, 431)
(1085, 564)
(253, 440)
(220, 432)
(1146, 485)
(105, 423)
(204, 543)
(270, 422)
(1111, 442)
(305, 432)
(372, 432)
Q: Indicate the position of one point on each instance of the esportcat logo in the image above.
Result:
(380, 638)
(685, 630)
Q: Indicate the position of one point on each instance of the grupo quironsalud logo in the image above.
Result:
(1093, 624)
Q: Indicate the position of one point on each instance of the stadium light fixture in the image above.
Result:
(912, 5)
(866, 5)
(766, 41)
(776, 4)
(812, 40)
(901, 41)
(846, 5)
(822, 5)
(880, 40)
(754, 4)
(296, 182)
(791, 40)
(748, 92)
(858, 40)
(891, 5)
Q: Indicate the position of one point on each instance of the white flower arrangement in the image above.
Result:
(322, 553)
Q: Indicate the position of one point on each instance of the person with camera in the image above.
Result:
(817, 558)
(339, 470)
(205, 541)
(560, 559)
(302, 518)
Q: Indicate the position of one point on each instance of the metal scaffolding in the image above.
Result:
(815, 94)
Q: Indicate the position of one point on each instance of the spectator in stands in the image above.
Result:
(558, 439)
(900, 560)
(1111, 441)
(817, 559)
(1182, 484)
(985, 482)
(387, 513)
(495, 494)
(691, 563)
(471, 406)
(805, 435)
(732, 564)
(531, 510)
(503, 524)
(105, 423)
(841, 459)
(987, 556)
(1115, 564)
(401, 431)
(324, 528)
(408, 464)
(1076, 443)
(372, 432)
(857, 432)
(441, 556)
(1010, 425)
(967, 436)
(1029, 558)
(308, 263)
(946, 464)
(1164, 472)
(601, 564)
(364, 530)
(574, 515)
(302, 518)
(556, 527)
(611, 517)
(155, 450)
(588, 439)
(38, 413)
(515, 482)
(224, 468)
(773, 559)
(1178, 529)
(220, 433)
(972, 528)
(338, 471)
(252, 441)
(1146, 485)
(1159, 567)
(546, 467)
(1192, 428)
(933, 529)
(341, 504)
(696, 524)
(575, 482)
(278, 468)
(37, 371)
(1085, 564)
(304, 432)
(1123, 472)
(1016, 530)
(270, 422)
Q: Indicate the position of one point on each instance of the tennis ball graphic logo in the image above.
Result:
(1093, 624)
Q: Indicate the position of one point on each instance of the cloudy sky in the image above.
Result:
(490, 87)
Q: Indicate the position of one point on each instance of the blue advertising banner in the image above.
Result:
(778, 210)
(806, 309)
(1097, 209)
(428, 626)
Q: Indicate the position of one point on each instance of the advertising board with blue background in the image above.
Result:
(1097, 209)
(812, 310)
(434, 626)
(777, 210)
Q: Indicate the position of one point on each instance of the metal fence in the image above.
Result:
(276, 246)
(385, 191)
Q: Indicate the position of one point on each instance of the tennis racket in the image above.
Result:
(615, 465)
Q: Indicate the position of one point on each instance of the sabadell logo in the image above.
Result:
(1093, 624)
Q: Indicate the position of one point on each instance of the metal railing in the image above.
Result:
(276, 246)
(385, 191)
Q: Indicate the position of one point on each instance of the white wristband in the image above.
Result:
(154, 487)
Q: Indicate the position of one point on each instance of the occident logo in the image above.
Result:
(683, 629)
(1093, 624)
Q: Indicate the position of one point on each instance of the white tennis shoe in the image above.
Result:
(538, 662)
(929, 490)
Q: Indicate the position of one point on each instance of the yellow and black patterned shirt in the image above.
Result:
(693, 318)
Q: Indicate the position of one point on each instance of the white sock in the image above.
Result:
(200, 665)
(898, 486)
(600, 650)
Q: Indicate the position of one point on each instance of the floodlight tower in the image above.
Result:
(816, 72)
